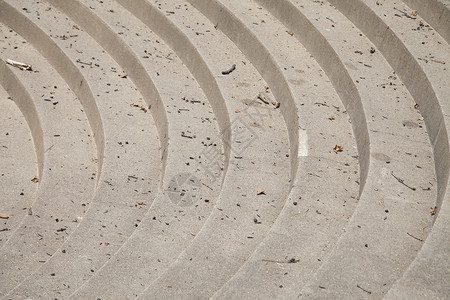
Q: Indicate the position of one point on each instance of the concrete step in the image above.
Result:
(67, 141)
(435, 12)
(160, 251)
(360, 280)
(18, 166)
(193, 126)
(371, 79)
(131, 136)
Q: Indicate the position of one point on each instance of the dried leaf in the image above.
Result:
(35, 180)
(260, 191)
(433, 210)
(331, 118)
(4, 216)
(414, 13)
(124, 75)
(276, 104)
(237, 111)
(290, 33)
(416, 106)
(337, 149)
(140, 202)
(140, 106)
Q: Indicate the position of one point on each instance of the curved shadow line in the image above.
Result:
(414, 78)
(123, 54)
(329, 61)
(125, 57)
(24, 102)
(263, 61)
(63, 65)
(435, 13)
(186, 51)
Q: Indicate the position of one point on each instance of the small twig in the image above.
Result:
(402, 181)
(438, 61)
(414, 237)
(291, 261)
(186, 136)
(208, 186)
(323, 104)
(263, 99)
(233, 67)
(84, 63)
(363, 289)
(404, 13)
(330, 20)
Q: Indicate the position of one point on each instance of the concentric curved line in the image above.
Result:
(414, 78)
(146, 87)
(64, 66)
(263, 61)
(435, 13)
(190, 56)
(329, 61)
(252, 47)
(24, 102)
(125, 57)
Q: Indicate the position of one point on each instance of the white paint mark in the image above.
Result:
(303, 142)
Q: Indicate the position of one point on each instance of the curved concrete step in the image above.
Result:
(130, 136)
(269, 69)
(435, 12)
(67, 138)
(18, 165)
(65, 149)
(309, 252)
(200, 143)
(160, 253)
(326, 122)
(356, 281)
(369, 225)
(62, 64)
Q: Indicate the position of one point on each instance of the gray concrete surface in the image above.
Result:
(226, 149)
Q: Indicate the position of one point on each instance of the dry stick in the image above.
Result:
(438, 61)
(330, 20)
(263, 99)
(414, 237)
(363, 289)
(402, 182)
(84, 63)
(233, 67)
(208, 186)
(291, 261)
(404, 13)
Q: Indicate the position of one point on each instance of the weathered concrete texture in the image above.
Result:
(224, 149)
